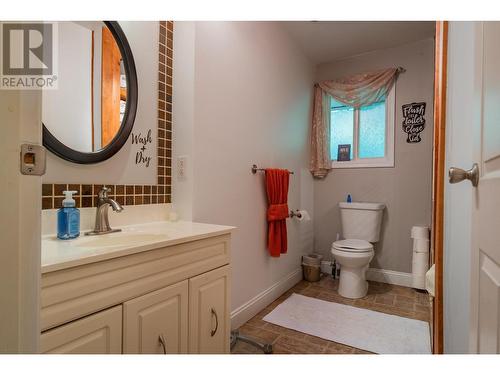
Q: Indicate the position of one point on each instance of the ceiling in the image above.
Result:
(327, 41)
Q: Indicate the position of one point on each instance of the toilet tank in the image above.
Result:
(361, 220)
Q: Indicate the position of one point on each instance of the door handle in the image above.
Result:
(214, 313)
(163, 343)
(458, 175)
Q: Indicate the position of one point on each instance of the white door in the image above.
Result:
(461, 119)
(474, 129)
(20, 220)
(485, 271)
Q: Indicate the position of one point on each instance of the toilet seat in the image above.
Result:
(352, 246)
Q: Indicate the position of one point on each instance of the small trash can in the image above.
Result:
(311, 267)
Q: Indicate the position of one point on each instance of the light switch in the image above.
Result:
(181, 167)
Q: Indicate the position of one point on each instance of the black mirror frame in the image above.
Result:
(69, 154)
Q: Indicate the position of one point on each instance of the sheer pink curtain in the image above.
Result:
(356, 91)
(321, 161)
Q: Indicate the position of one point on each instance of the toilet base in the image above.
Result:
(352, 282)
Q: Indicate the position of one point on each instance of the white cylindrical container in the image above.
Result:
(420, 232)
(420, 261)
(420, 245)
(420, 265)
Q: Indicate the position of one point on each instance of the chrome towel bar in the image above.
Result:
(255, 169)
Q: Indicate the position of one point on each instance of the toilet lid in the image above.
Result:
(355, 246)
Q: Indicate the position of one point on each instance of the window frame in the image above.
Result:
(388, 160)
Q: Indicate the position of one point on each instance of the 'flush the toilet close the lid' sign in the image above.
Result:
(413, 121)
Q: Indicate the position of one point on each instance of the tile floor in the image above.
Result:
(386, 298)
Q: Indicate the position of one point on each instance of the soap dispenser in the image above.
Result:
(68, 218)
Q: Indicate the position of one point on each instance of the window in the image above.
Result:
(369, 130)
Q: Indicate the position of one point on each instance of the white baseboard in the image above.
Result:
(377, 274)
(249, 309)
(389, 277)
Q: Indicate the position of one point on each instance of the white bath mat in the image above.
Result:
(361, 328)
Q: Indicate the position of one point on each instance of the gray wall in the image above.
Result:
(406, 188)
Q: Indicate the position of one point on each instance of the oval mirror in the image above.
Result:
(90, 115)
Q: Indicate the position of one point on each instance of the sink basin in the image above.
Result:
(133, 239)
(119, 239)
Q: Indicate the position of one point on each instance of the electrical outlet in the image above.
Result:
(181, 167)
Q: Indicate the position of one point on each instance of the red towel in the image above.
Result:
(277, 211)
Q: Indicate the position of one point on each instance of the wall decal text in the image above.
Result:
(143, 141)
(413, 121)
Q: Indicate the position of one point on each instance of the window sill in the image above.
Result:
(363, 164)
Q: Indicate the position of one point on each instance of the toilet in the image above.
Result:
(361, 224)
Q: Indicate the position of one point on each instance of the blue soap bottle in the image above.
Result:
(349, 198)
(68, 218)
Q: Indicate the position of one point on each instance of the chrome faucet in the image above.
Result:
(101, 217)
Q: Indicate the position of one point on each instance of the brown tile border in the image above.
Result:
(136, 194)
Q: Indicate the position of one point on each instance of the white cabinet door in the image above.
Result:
(157, 322)
(99, 333)
(209, 321)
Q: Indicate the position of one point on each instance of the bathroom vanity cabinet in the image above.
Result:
(161, 299)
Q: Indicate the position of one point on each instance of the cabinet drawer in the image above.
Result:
(209, 323)
(100, 333)
(157, 323)
(75, 292)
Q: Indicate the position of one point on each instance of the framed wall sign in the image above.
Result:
(344, 153)
(413, 121)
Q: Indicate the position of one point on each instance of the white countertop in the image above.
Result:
(60, 254)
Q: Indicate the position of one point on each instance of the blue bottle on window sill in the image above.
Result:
(349, 198)
(68, 218)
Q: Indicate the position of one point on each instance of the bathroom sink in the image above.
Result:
(133, 239)
(119, 239)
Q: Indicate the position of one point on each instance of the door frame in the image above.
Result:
(20, 224)
(438, 179)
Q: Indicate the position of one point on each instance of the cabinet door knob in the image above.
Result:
(214, 313)
(163, 343)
